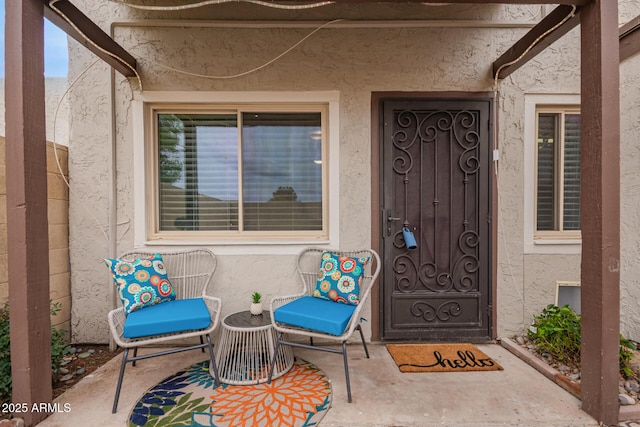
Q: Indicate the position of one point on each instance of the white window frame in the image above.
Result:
(144, 183)
(536, 242)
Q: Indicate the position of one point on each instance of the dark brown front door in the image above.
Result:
(436, 172)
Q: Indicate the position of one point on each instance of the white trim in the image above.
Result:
(203, 97)
(571, 287)
(531, 244)
(228, 247)
(139, 174)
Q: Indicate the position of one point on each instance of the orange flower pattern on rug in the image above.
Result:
(287, 401)
(189, 398)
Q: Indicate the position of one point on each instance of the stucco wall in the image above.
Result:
(629, 185)
(356, 61)
(56, 109)
(630, 198)
(58, 209)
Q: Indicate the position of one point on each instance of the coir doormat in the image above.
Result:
(447, 357)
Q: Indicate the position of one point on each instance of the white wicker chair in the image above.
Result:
(308, 264)
(190, 272)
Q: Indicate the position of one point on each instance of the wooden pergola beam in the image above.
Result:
(543, 35)
(27, 227)
(439, 2)
(630, 39)
(94, 39)
(600, 209)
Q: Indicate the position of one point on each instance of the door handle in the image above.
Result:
(390, 218)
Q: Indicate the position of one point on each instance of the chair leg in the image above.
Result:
(213, 360)
(135, 354)
(202, 343)
(119, 386)
(275, 356)
(363, 342)
(346, 370)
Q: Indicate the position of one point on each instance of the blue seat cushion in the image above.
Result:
(315, 314)
(168, 317)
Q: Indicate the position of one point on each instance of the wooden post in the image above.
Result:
(27, 236)
(600, 209)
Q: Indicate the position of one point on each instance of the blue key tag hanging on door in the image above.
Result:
(409, 239)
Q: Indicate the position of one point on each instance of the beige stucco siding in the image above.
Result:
(630, 198)
(629, 185)
(352, 61)
(56, 109)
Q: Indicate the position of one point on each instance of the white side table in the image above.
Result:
(245, 349)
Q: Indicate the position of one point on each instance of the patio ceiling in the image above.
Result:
(603, 45)
(555, 25)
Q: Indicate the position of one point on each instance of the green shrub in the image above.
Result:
(58, 344)
(557, 331)
(58, 348)
(5, 355)
(626, 354)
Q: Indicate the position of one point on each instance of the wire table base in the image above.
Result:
(245, 349)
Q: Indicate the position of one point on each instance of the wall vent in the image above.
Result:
(568, 293)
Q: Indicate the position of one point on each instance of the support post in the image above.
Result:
(27, 235)
(600, 209)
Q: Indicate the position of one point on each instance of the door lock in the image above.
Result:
(388, 222)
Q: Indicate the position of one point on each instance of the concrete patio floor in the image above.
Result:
(382, 395)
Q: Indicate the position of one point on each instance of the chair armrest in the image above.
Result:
(214, 305)
(116, 320)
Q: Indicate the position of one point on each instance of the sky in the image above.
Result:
(55, 48)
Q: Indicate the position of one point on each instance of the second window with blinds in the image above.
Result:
(557, 210)
(243, 171)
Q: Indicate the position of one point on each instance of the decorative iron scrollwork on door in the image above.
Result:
(447, 194)
(436, 176)
(430, 313)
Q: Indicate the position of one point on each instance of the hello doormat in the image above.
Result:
(447, 357)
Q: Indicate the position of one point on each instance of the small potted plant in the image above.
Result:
(256, 303)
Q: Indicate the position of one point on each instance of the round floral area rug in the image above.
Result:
(299, 398)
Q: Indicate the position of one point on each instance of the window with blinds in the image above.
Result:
(241, 171)
(558, 172)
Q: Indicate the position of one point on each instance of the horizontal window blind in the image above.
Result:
(558, 172)
(571, 202)
(265, 165)
(204, 194)
(282, 171)
(546, 171)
